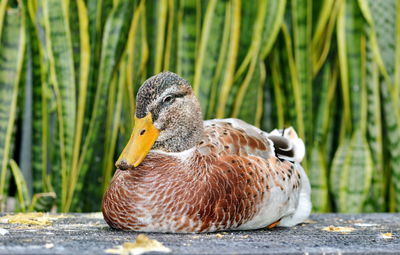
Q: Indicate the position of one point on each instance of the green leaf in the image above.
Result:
(301, 22)
(22, 188)
(233, 48)
(62, 72)
(319, 179)
(375, 135)
(114, 42)
(187, 23)
(209, 49)
(42, 202)
(351, 174)
(11, 62)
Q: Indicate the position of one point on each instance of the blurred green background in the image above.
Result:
(70, 69)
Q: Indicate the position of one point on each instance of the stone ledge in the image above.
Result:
(89, 234)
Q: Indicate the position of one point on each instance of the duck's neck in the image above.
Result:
(179, 143)
(184, 139)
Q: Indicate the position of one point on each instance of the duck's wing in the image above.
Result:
(248, 139)
(266, 165)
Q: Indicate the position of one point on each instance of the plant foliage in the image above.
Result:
(70, 70)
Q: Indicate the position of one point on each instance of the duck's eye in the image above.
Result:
(167, 99)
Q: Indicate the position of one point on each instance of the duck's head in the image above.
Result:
(168, 118)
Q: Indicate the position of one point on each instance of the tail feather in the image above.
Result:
(287, 144)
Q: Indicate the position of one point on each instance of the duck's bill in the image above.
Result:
(142, 139)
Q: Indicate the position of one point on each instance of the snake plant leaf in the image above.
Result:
(11, 62)
(301, 27)
(113, 122)
(42, 202)
(39, 108)
(247, 23)
(113, 44)
(391, 124)
(241, 81)
(63, 80)
(97, 13)
(170, 53)
(228, 75)
(22, 188)
(276, 109)
(296, 115)
(156, 20)
(186, 52)
(375, 134)
(3, 8)
(326, 95)
(273, 22)
(275, 11)
(137, 53)
(242, 105)
(324, 30)
(318, 156)
(221, 64)
(82, 80)
(250, 104)
(136, 62)
(384, 14)
(208, 53)
(351, 174)
(319, 179)
(73, 16)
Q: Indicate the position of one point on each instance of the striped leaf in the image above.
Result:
(62, 74)
(319, 179)
(97, 12)
(209, 49)
(375, 135)
(22, 188)
(156, 15)
(42, 202)
(170, 53)
(113, 123)
(318, 155)
(301, 22)
(186, 52)
(273, 22)
(11, 62)
(247, 23)
(352, 174)
(3, 8)
(384, 14)
(391, 124)
(39, 108)
(249, 107)
(228, 75)
(221, 64)
(114, 42)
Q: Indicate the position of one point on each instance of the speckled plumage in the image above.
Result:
(232, 177)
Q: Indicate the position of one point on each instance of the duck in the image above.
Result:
(181, 174)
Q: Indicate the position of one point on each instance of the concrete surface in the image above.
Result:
(89, 234)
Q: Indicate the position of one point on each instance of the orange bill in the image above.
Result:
(142, 139)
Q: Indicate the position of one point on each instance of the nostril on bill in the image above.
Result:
(122, 165)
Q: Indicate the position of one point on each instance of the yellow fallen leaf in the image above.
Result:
(387, 235)
(338, 229)
(29, 219)
(141, 245)
(219, 235)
